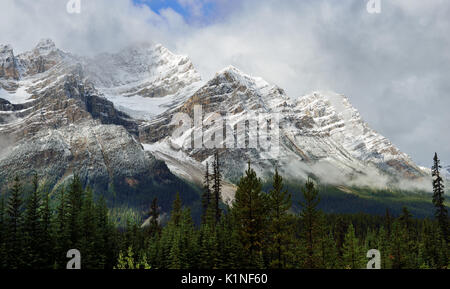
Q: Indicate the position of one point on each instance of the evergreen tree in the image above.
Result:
(433, 250)
(209, 247)
(206, 197)
(406, 218)
(280, 226)
(188, 247)
(175, 259)
(383, 247)
(74, 206)
(399, 246)
(256, 232)
(154, 226)
(310, 218)
(328, 254)
(47, 238)
(340, 229)
(14, 223)
(88, 234)
(165, 246)
(411, 239)
(217, 186)
(133, 235)
(230, 254)
(154, 248)
(353, 256)
(106, 240)
(33, 234)
(438, 199)
(388, 223)
(62, 231)
(177, 212)
(250, 215)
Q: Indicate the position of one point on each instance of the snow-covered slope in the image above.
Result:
(320, 133)
(54, 121)
(92, 114)
(144, 80)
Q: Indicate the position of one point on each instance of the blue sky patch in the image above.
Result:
(207, 15)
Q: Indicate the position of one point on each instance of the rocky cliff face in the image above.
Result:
(108, 119)
(8, 63)
(53, 121)
(320, 134)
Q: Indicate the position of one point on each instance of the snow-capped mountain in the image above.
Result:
(108, 117)
(320, 133)
(54, 121)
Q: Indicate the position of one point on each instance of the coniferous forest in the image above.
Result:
(258, 231)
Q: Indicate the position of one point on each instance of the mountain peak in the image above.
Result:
(234, 72)
(230, 68)
(45, 46)
(144, 49)
(231, 74)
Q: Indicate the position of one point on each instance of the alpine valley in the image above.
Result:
(108, 119)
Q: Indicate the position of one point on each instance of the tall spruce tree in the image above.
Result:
(217, 186)
(383, 247)
(280, 226)
(441, 213)
(328, 255)
(310, 217)
(339, 231)
(107, 233)
(33, 233)
(353, 256)
(206, 197)
(14, 223)
(406, 218)
(88, 234)
(47, 238)
(250, 212)
(230, 254)
(154, 226)
(177, 211)
(388, 223)
(189, 248)
(175, 255)
(62, 233)
(209, 247)
(74, 206)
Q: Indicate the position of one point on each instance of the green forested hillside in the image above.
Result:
(278, 228)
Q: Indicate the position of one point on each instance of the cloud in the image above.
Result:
(102, 25)
(195, 6)
(393, 66)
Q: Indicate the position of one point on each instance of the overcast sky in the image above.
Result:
(393, 66)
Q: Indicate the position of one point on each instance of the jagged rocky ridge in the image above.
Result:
(53, 121)
(108, 117)
(320, 134)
